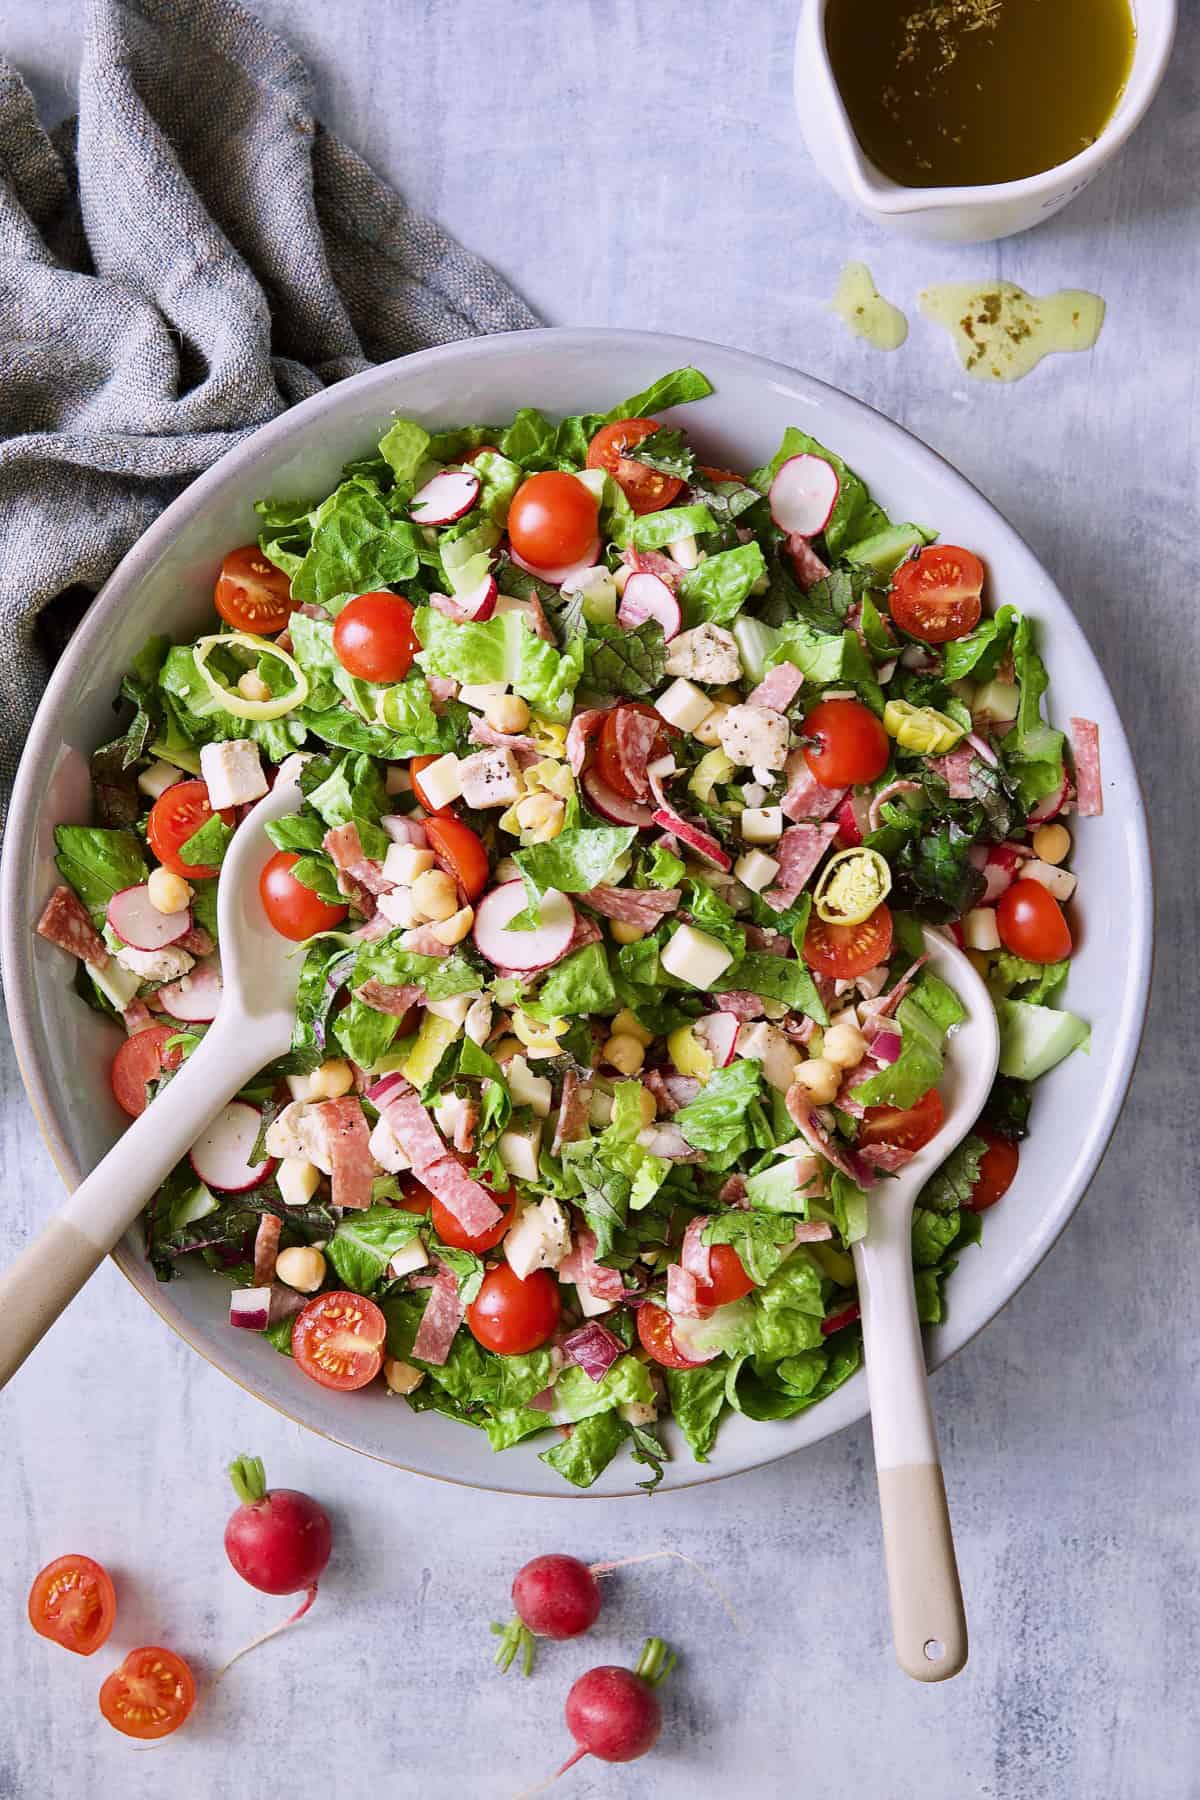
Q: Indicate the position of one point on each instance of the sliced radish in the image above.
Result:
(851, 821)
(221, 1154)
(446, 498)
(476, 606)
(1000, 864)
(250, 1308)
(1049, 808)
(718, 1033)
(562, 572)
(404, 828)
(692, 836)
(141, 925)
(616, 808)
(804, 494)
(647, 597)
(195, 997)
(523, 950)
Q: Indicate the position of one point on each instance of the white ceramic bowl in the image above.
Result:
(964, 215)
(165, 584)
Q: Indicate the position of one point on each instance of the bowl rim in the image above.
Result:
(16, 960)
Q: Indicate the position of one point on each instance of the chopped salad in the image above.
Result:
(628, 785)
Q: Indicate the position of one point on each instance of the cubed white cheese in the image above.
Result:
(298, 1179)
(299, 1133)
(408, 1260)
(765, 777)
(538, 1238)
(997, 701)
(397, 907)
(685, 551)
(591, 1305)
(755, 736)
(384, 1146)
(489, 778)
(478, 694)
(454, 1009)
(167, 964)
(158, 778)
(232, 773)
(449, 1110)
(683, 706)
(440, 782)
(300, 1087)
(404, 862)
(526, 1088)
(695, 957)
(478, 1022)
(1059, 882)
(519, 1151)
(980, 931)
(762, 824)
(769, 1046)
(753, 793)
(507, 603)
(707, 653)
(115, 983)
(756, 870)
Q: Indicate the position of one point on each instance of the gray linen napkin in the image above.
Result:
(185, 260)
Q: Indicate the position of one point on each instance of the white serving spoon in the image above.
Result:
(253, 1024)
(929, 1628)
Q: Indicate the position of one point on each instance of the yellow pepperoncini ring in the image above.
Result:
(852, 885)
(688, 1053)
(921, 727)
(229, 698)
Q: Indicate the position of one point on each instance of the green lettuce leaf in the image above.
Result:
(774, 978)
(924, 1016)
(578, 1396)
(580, 984)
(504, 649)
(653, 531)
(855, 515)
(697, 1399)
(715, 1120)
(98, 863)
(404, 447)
(675, 389)
(719, 587)
(357, 547)
(209, 844)
(364, 1243)
(574, 861)
(593, 1443)
(631, 663)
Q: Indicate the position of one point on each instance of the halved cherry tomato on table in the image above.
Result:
(997, 1168)
(844, 951)
(511, 1316)
(850, 745)
(416, 1198)
(908, 1127)
(414, 770)
(251, 593)
(73, 1603)
(647, 490)
(658, 1339)
(936, 594)
(729, 1279)
(150, 1695)
(293, 909)
(1031, 923)
(176, 816)
(338, 1340)
(373, 637)
(459, 851)
(552, 519)
(140, 1060)
(609, 766)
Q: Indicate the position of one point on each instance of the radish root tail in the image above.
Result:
(545, 1786)
(264, 1637)
(624, 1562)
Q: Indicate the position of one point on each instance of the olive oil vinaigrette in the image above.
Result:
(961, 93)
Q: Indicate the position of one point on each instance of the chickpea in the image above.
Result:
(454, 929)
(166, 892)
(541, 815)
(820, 1079)
(845, 1046)
(251, 686)
(1052, 844)
(435, 895)
(624, 1053)
(627, 1024)
(507, 712)
(333, 1079)
(401, 1377)
(625, 933)
(301, 1267)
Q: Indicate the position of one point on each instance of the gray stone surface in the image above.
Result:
(639, 165)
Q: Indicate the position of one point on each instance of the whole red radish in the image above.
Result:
(614, 1713)
(557, 1596)
(279, 1541)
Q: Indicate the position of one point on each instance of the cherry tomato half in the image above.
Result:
(909, 1128)
(150, 1695)
(414, 769)
(844, 951)
(936, 594)
(176, 816)
(140, 1060)
(552, 519)
(658, 1339)
(374, 639)
(460, 852)
(251, 593)
(479, 451)
(729, 1279)
(293, 909)
(608, 758)
(511, 1316)
(1031, 923)
(73, 1603)
(647, 490)
(851, 745)
(997, 1168)
(416, 1198)
(338, 1340)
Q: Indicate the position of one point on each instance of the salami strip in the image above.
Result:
(655, 1080)
(886, 1156)
(442, 688)
(464, 1126)
(573, 1111)
(196, 941)
(778, 688)
(682, 1299)
(423, 940)
(385, 997)
(742, 1006)
(815, 1135)
(806, 797)
(732, 1191)
(644, 907)
(955, 770)
(137, 1017)
(266, 1248)
(774, 943)
(408, 1121)
(798, 851)
(440, 1321)
(351, 1163)
(806, 564)
(349, 858)
(636, 733)
(581, 1267)
(472, 1206)
(522, 746)
(812, 1231)
(1085, 741)
(694, 1254)
(581, 730)
(65, 922)
(653, 562)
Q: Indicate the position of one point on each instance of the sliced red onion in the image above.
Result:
(983, 749)
(886, 1046)
(875, 810)
(594, 1348)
